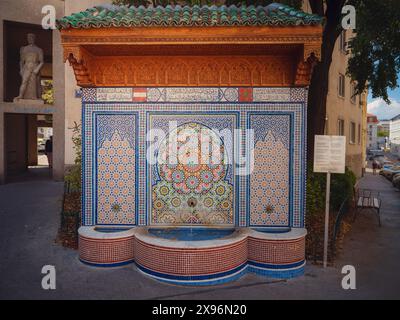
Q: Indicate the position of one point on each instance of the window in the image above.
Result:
(359, 134)
(352, 139)
(352, 93)
(342, 41)
(340, 127)
(341, 85)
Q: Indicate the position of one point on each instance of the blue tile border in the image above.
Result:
(107, 265)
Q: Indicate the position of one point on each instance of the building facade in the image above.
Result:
(345, 112)
(372, 129)
(19, 122)
(394, 135)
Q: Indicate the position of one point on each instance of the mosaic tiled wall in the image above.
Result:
(269, 185)
(191, 191)
(273, 195)
(116, 168)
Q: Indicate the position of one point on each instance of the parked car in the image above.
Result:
(390, 172)
(387, 163)
(396, 180)
(375, 153)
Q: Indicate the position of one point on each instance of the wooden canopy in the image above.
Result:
(218, 46)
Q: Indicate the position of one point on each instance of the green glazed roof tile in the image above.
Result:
(106, 16)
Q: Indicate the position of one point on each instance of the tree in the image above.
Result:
(375, 54)
(376, 48)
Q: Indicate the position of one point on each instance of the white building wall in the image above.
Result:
(372, 135)
(394, 137)
(25, 11)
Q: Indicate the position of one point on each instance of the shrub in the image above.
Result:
(341, 188)
(73, 176)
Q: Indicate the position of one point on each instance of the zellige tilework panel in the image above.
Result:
(261, 102)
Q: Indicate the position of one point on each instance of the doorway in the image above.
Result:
(25, 146)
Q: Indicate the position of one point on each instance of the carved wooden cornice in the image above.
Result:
(291, 68)
(311, 56)
(193, 71)
(268, 39)
(79, 59)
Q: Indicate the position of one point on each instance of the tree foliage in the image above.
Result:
(73, 176)
(48, 92)
(375, 61)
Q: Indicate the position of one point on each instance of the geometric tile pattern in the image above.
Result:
(269, 183)
(116, 173)
(293, 104)
(106, 251)
(194, 94)
(115, 182)
(202, 261)
(195, 190)
(203, 265)
(276, 252)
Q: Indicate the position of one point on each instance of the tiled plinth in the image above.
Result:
(277, 255)
(105, 249)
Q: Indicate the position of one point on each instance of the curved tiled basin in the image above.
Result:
(106, 247)
(276, 254)
(189, 261)
(200, 256)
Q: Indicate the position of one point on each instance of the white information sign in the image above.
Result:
(330, 154)
(329, 157)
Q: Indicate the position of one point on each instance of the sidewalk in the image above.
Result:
(30, 219)
(374, 250)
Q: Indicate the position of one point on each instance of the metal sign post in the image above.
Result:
(329, 157)
(326, 234)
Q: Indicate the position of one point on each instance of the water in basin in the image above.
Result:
(190, 234)
(110, 230)
(273, 230)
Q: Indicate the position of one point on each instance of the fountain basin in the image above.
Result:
(106, 246)
(201, 256)
(191, 261)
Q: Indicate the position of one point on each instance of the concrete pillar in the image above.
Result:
(59, 110)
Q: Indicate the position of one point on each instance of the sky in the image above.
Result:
(381, 109)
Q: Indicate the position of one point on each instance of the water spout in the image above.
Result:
(192, 203)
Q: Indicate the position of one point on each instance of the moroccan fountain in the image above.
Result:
(237, 76)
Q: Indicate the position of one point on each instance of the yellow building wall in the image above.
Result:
(343, 108)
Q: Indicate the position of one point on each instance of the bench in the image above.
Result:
(366, 199)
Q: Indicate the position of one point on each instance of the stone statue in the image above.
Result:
(31, 61)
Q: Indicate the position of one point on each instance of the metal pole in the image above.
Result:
(326, 235)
